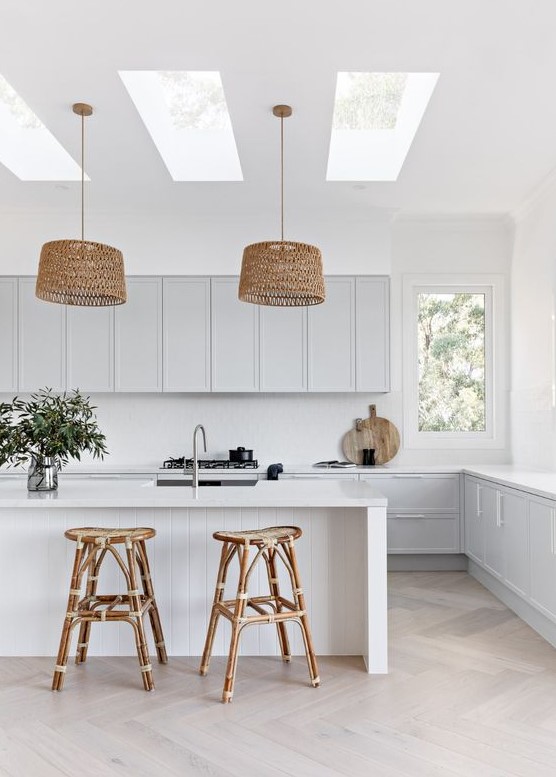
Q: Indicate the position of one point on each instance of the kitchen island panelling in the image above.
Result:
(342, 556)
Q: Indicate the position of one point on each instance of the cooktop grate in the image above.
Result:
(179, 463)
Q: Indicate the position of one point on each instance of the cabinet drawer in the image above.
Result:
(423, 533)
(421, 493)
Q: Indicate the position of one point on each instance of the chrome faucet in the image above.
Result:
(195, 482)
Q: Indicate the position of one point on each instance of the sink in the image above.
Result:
(164, 482)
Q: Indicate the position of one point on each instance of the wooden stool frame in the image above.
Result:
(91, 549)
(281, 609)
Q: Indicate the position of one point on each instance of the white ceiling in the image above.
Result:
(487, 139)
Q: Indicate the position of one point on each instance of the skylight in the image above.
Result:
(376, 117)
(27, 148)
(187, 117)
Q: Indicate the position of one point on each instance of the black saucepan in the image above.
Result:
(241, 454)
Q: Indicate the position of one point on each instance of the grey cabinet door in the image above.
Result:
(90, 348)
(138, 341)
(186, 334)
(542, 554)
(235, 339)
(372, 333)
(331, 338)
(513, 517)
(8, 334)
(283, 351)
(42, 341)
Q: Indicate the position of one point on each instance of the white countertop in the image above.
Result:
(542, 483)
(77, 492)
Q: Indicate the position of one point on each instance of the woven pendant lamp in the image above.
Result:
(80, 272)
(281, 272)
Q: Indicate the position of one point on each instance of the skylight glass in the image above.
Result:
(187, 117)
(27, 148)
(376, 117)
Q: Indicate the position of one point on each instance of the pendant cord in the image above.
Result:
(282, 176)
(82, 177)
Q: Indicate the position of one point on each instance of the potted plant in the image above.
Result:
(47, 430)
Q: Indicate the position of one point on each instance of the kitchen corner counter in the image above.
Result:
(542, 483)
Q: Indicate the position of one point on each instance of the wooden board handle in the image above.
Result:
(372, 409)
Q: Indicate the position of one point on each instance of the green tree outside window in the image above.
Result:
(451, 340)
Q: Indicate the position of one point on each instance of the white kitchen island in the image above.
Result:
(342, 558)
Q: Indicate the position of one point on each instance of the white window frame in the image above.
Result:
(493, 287)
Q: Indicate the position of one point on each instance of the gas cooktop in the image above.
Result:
(179, 463)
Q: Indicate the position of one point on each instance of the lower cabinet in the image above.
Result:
(496, 532)
(423, 533)
(423, 511)
(542, 554)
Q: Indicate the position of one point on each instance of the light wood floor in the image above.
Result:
(472, 692)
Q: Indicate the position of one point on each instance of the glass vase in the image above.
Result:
(42, 474)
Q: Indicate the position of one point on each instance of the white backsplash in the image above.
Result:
(145, 429)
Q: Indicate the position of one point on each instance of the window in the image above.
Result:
(451, 397)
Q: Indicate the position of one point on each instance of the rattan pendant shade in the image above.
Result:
(81, 272)
(282, 272)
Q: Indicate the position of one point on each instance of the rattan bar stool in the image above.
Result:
(92, 546)
(272, 544)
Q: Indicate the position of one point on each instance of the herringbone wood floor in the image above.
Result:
(472, 692)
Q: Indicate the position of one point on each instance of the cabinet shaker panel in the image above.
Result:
(372, 333)
(90, 348)
(8, 334)
(331, 338)
(542, 555)
(235, 338)
(283, 351)
(138, 342)
(42, 341)
(186, 334)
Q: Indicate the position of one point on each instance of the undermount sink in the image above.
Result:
(164, 482)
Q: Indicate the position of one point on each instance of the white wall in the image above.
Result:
(301, 428)
(170, 246)
(533, 372)
(477, 245)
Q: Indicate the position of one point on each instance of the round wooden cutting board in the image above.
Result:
(374, 432)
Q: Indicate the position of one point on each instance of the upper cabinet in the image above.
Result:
(8, 334)
(192, 334)
(372, 333)
(331, 338)
(138, 340)
(283, 351)
(235, 339)
(42, 341)
(90, 348)
(186, 334)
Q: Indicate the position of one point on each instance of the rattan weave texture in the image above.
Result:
(281, 273)
(81, 272)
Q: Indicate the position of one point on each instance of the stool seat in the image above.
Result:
(87, 606)
(275, 547)
(273, 535)
(97, 535)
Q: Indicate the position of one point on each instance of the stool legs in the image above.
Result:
(225, 558)
(274, 586)
(237, 623)
(71, 617)
(143, 563)
(136, 619)
(90, 592)
(299, 599)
